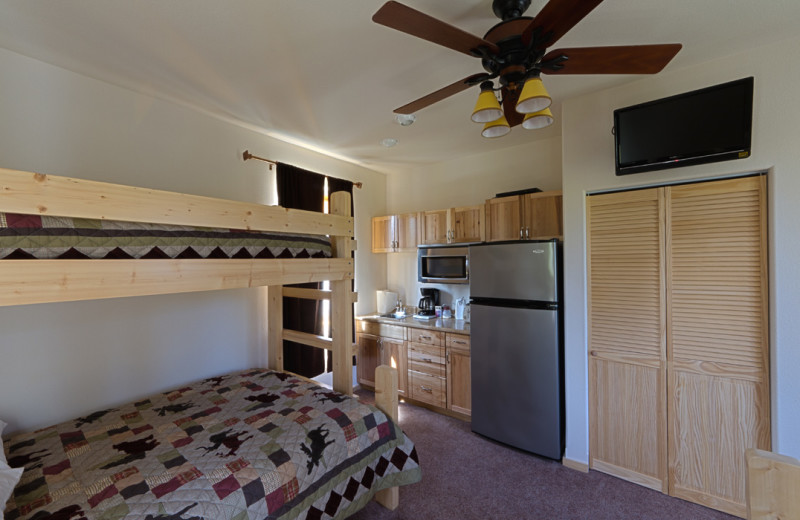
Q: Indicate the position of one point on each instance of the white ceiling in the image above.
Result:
(321, 74)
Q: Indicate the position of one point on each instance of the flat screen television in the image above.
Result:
(707, 125)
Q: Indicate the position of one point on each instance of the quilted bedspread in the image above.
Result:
(35, 236)
(251, 445)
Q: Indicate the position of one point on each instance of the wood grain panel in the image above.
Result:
(626, 438)
(627, 378)
(713, 420)
(772, 484)
(717, 330)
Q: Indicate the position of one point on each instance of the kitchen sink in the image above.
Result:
(394, 316)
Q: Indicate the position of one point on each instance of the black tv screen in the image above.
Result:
(702, 126)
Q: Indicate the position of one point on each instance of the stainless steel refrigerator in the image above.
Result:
(517, 355)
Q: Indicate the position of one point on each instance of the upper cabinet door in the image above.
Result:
(384, 234)
(433, 226)
(503, 219)
(466, 224)
(542, 215)
(407, 232)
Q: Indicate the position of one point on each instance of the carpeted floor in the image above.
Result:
(465, 476)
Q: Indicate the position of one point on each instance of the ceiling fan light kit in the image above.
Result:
(488, 107)
(534, 97)
(496, 128)
(514, 52)
(537, 120)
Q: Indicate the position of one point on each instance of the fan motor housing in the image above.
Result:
(508, 9)
(515, 58)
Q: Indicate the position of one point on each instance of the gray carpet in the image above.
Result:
(465, 476)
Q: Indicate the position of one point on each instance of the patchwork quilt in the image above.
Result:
(251, 445)
(35, 236)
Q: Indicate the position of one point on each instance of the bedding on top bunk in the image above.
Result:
(250, 445)
(35, 236)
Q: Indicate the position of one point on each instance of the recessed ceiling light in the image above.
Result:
(405, 119)
(389, 142)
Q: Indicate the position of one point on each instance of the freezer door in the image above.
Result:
(517, 382)
(518, 270)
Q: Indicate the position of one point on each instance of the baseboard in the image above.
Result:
(574, 464)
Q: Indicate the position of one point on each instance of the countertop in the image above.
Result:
(442, 324)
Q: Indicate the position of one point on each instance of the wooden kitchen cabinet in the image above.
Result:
(381, 343)
(433, 227)
(426, 367)
(393, 353)
(532, 216)
(367, 358)
(395, 233)
(452, 226)
(459, 385)
(542, 215)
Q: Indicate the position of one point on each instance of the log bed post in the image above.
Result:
(275, 327)
(386, 400)
(342, 303)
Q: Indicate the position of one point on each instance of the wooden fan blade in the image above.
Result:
(410, 21)
(623, 59)
(510, 98)
(558, 17)
(442, 93)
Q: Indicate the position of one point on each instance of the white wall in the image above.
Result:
(61, 360)
(465, 181)
(588, 162)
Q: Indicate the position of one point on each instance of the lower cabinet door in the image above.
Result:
(459, 387)
(393, 353)
(367, 358)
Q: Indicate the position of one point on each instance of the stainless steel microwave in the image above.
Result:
(443, 264)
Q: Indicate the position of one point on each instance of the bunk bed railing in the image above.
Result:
(41, 281)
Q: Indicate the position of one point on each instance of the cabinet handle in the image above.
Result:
(447, 357)
(426, 389)
(459, 342)
(424, 337)
(527, 232)
(427, 360)
(520, 233)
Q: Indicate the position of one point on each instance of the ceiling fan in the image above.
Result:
(515, 53)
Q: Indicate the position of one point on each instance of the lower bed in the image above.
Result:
(251, 445)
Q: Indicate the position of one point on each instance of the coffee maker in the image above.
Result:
(428, 302)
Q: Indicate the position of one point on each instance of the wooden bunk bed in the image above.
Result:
(58, 280)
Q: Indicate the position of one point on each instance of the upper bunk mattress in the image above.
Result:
(45, 237)
(251, 445)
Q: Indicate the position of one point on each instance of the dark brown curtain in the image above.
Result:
(302, 189)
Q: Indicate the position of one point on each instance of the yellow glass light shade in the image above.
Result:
(487, 108)
(496, 128)
(534, 97)
(538, 119)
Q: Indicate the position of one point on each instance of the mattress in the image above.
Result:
(45, 237)
(251, 445)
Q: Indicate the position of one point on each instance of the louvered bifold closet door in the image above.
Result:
(627, 362)
(717, 337)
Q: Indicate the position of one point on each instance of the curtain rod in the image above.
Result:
(247, 155)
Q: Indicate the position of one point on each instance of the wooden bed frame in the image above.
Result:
(41, 281)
